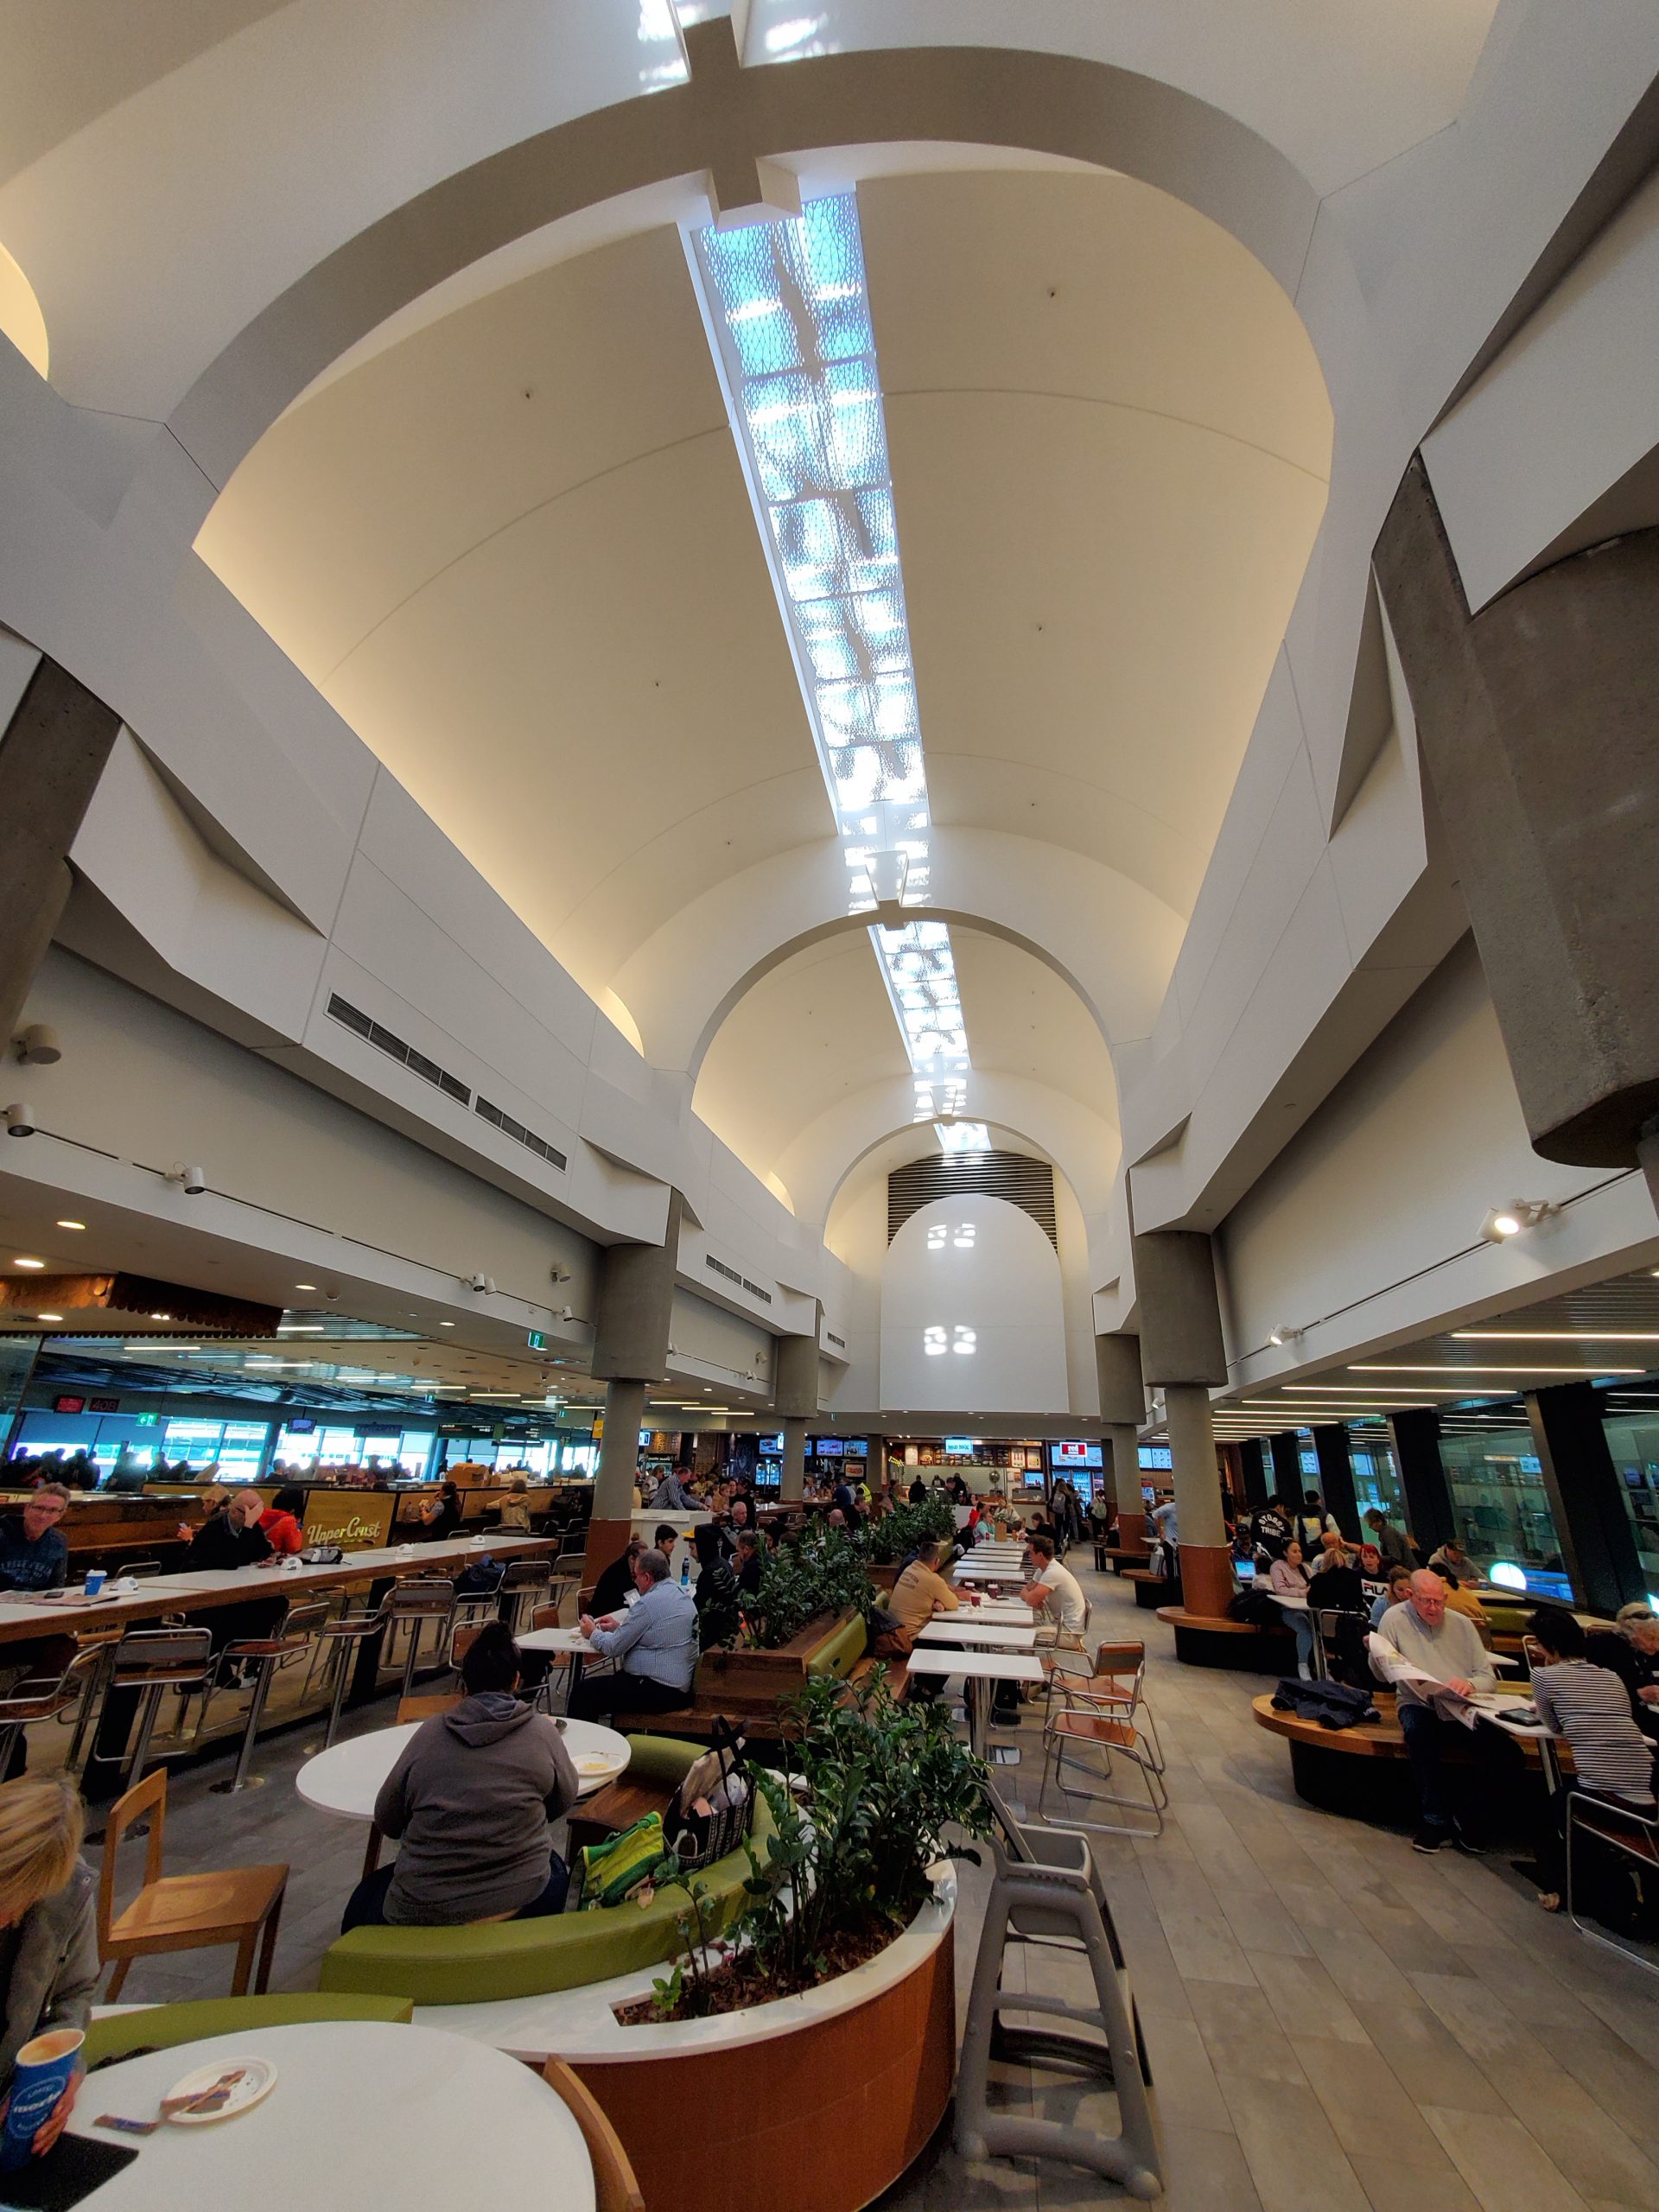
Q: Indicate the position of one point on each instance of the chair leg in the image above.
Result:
(343, 1648)
(244, 1963)
(268, 1948)
(147, 1715)
(414, 1653)
(242, 1779)
(115, 1981)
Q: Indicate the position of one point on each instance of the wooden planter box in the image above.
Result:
(809, 2103)
(754, 1685)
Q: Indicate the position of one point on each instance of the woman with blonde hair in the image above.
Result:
(49, 1928)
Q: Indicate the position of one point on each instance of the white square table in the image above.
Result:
(977, 1669)
(954, 1628)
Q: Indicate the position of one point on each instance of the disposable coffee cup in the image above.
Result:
(96, 1578)
(42, 2074)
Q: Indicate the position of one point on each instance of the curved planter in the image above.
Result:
(817, 2102)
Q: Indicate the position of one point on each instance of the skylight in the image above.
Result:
(790, 308)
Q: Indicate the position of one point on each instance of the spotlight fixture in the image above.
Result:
(190, 1179)
(483, 1285)
(20, 1121)
(1521, 1214)
(38, 1046)
(1285, 1334)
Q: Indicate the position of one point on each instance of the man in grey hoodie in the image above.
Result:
(469, 1802)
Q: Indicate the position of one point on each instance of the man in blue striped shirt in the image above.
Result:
(654, 1645)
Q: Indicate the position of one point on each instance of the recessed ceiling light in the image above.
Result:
(29, 1263)
(72, 1224)
(305, 1285)
(51, 1317)
(450, 1325)
(1557, 1336)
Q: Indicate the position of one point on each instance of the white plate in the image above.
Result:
(258, 2079)
(592, 1763)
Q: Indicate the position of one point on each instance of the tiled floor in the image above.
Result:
(1335, 2023)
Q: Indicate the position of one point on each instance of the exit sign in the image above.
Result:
(537, 1341)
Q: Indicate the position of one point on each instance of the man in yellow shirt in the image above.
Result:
(921, 1591)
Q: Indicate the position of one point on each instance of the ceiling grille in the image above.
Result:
(1023, 1182)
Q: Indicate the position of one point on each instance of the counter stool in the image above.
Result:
(339, 1641)
(423, 1597)
(290, 1639)
(156, 1660)
(47, 1697)
(100, 1646)
(184, 1912)
(1046, 1892)
(525, 1586)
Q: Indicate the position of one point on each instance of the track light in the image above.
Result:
(1512, 1220)
(1285, 1334)
(38, 1046)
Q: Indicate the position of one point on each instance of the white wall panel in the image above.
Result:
(983, 1275)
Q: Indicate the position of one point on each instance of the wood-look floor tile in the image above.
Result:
(1503, 2165)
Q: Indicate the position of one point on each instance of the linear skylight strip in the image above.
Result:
(789, 303)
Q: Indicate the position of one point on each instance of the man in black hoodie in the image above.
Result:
(469, 1803)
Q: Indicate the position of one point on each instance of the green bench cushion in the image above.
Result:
(839, 1654)
(157, 2027)
(525, 1958)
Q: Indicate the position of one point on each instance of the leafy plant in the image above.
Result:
(821, 1571)
(686, 1992)
(907, 1526)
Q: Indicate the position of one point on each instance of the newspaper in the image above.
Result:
(1449, 1704)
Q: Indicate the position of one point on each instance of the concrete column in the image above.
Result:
(876, 1463)
(1337, 1476)
(1536, 719)
(631, 1318)
(792, 1474)
(53, 754)
(1123, 1410)
(1287, 1478)
(1417, 1439)
(1597, 1538)
(1255, 1481)
(1181, 1349)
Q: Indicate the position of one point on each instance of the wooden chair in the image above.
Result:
(426, 1708)
(184, 1912)
(615, 2189)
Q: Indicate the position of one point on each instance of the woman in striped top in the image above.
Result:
(1591, 1707)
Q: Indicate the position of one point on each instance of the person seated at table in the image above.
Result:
(1588, 1705)
(673, 1494)
(654, 1645)
(1287, 1579)
(715, 1594)
(1638, 1627)
(469, 1803)
(1055, 1592)
(1460, 1599)
(612, 1583)
(920, 1593)
(1373, 1573)
(749, 1565)
(1396, 1590)
(513, 1519)
(1422, 1634)
(437, 1520)
(1453, 1564)
(231, 1539)
(1335, 1584)
(281, 1520)
(48, 1929)
(33, 1555)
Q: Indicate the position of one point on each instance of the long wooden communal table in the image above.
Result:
(205, 1591)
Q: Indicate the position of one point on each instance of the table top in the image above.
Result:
(1003, 1609)
(991, 1666)
(951, 1628)
(170, 1593)
(347, 1777)
(362, 2113)
(558, 1639)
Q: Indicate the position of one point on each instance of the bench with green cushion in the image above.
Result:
(839, 1654)
(158, 2027)
(525, 1958)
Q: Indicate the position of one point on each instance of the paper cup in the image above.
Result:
(42, 2074)
(96, 1578)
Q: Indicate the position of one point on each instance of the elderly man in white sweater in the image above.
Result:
(1421, 1633)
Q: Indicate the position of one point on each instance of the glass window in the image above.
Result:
(1499, 1505)
(242, 1449)
(336, 1445)
(1377, 1479)
(195, 1440)
(414, 1451)
(1633, 1440)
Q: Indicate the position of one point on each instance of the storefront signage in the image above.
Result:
(352, 1521)
(103, 1405)
(69, 1405)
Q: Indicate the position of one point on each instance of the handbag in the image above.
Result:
(715, 1803)
(321, 1555)
(620, 1866)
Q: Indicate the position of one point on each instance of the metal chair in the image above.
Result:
(1106, 1682)
(154, 1660)
(1046, 1892)
(290, 1639)
(338, 1641)
(525, 1586)
(1099, 1727)
(1634, 1834)
(47, 1697)
(422, 1599)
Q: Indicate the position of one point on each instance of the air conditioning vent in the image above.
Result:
(518, 1132)
(830, 1337)
(385, 1040)
(1022, 1182)
(742, 1280)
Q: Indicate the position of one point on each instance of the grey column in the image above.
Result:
(53, 754)
(1537, 719)
(1181, 1349)
(1337, 1476)
(630, 1318)
(794, 1372)
(1417, 1439)
(1597, 1538)
(1123, 1410)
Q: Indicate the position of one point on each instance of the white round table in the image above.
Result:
(347, 1777)
(362, 2114)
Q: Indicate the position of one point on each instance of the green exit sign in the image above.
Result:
(145, 1420)
(537, 1341)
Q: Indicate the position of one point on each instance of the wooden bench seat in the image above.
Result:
(1213, 1640)
(1364, 1771)
(1150, 1590)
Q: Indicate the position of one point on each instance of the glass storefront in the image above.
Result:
(1377, 1479)
(1633, 1440)
(1500, 1507)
